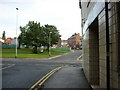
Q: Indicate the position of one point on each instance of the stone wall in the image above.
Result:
(94, 47)
(86, 53)
(102, 48)
(114, 23)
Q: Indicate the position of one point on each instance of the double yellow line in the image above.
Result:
(43, 79)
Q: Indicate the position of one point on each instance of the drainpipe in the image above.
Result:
(107, 48)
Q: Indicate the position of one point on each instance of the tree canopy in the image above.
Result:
(33, 34)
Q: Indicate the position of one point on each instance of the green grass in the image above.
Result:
(27, 53)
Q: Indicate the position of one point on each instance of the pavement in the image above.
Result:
(68, 77)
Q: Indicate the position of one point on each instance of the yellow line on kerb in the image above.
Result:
(54, 57)
(43, 79)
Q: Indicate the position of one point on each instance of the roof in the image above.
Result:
(73, 36)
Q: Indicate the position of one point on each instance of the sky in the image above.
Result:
(64, 14)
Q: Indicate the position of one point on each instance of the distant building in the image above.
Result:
(1, 42)
(14, 41)
(8, 41)
(64, 42)
(59, 43)
(74, 41)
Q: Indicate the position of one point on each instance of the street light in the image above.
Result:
(49, 42)
(16, 29)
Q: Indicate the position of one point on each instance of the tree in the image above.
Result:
(31, 34)
(23, 37)
(3, 36)
(54, 35)
(14, 37)
(35, 35)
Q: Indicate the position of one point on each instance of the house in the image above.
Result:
(101, 43)
(8, 41)
(74, 41)
(59, 43)
(1, 42)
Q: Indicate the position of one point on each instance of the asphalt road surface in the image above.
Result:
(23, 73)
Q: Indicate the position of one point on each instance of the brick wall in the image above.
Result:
(74, 41)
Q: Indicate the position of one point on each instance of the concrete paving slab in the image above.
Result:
(68, 77)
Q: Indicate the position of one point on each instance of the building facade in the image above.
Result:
(8, 41)
(1, 42)
(101, 43)
(74, 41)
(59, 43)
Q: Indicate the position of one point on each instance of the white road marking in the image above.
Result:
(9, 65)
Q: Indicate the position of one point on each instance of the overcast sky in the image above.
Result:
(64, 14)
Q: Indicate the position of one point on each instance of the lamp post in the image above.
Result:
(16, 29)
(49, 42)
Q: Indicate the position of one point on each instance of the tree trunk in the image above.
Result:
(35, 50)
(27, 46)
(48, 48)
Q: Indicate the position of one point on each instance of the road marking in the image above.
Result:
(44, 78)
(10, 65)
(49, 76)
(78, 59)
(54, 57)
(72, 51)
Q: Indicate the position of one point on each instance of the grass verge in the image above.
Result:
(27, 53)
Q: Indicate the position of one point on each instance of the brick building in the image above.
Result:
(101, 43)
(74, 41)
(1, 42)
(8, 41)
(59, 43)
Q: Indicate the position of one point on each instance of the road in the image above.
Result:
(23, 73)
